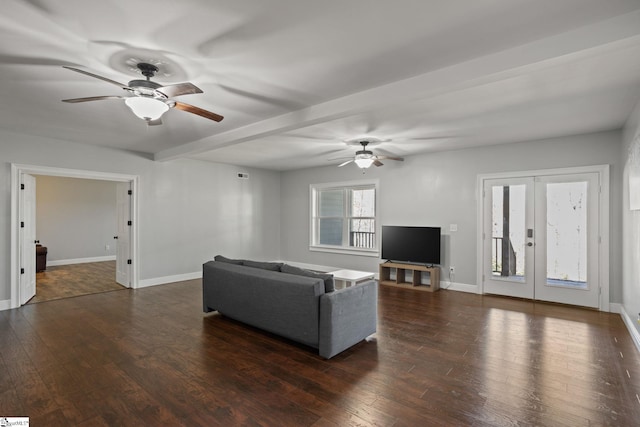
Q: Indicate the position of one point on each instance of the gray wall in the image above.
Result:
(631, 229)
(438, 189)
(189, 210)
(75, 218)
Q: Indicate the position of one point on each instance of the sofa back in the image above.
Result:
(284, 304)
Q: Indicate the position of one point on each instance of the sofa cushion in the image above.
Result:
(329, 284)
(221, 258)
(273, 266)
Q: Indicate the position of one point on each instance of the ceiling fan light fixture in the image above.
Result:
(146, 108)
(364, 163)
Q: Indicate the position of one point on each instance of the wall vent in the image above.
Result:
(243, 175)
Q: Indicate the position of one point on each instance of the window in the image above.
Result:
(344, 218)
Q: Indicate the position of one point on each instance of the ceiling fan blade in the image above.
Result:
(400, 159)
(345, 163)
(28, 60)
(378, 163)
(92, 98)
(77, 70)
(199, 111)
(179, 89)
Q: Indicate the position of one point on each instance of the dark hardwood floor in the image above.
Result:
(150, 357)
(66, 281)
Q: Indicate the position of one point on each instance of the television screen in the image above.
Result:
(420, 245)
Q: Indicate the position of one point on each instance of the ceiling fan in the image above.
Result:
(147, 99)
(365, 158)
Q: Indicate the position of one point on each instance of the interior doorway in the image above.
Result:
(23, 232)
(542, 236)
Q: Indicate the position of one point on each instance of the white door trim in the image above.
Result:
(18, 169)
(603, 251)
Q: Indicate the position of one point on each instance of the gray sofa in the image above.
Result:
(291, 305)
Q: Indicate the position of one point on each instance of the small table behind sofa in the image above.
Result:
(351, 277)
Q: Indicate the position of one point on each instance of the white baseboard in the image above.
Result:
(614, 307)
(5, 304)
(460, 287)
(81, 260)
(629, 322)
(169, 279)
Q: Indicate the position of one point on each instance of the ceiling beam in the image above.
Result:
(615, 33)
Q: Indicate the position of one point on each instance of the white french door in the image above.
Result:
(541, 238)
(509, 215)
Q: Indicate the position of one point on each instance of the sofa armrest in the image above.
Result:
(347, 316)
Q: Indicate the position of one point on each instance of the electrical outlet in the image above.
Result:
(452, 270)
(107, 247)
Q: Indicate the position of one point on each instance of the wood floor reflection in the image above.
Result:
(151, 357)
(66, 281)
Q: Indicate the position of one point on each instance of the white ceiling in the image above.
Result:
(295, 79)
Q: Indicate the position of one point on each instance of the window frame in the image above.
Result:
(314, 190)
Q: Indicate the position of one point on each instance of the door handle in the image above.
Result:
(115, 237)
(530, 244)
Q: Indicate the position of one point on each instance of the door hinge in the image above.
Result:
(129, 261)
(22, 271)
(129, 223)
(22, 186)
(130, 192)
(21, 224)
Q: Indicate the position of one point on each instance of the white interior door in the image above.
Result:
(123, 237)
(27, 238)
(541, 238)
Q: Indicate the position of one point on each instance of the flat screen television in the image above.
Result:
(415, 245)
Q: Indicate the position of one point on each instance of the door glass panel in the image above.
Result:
(567, 234)
(508, 237)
